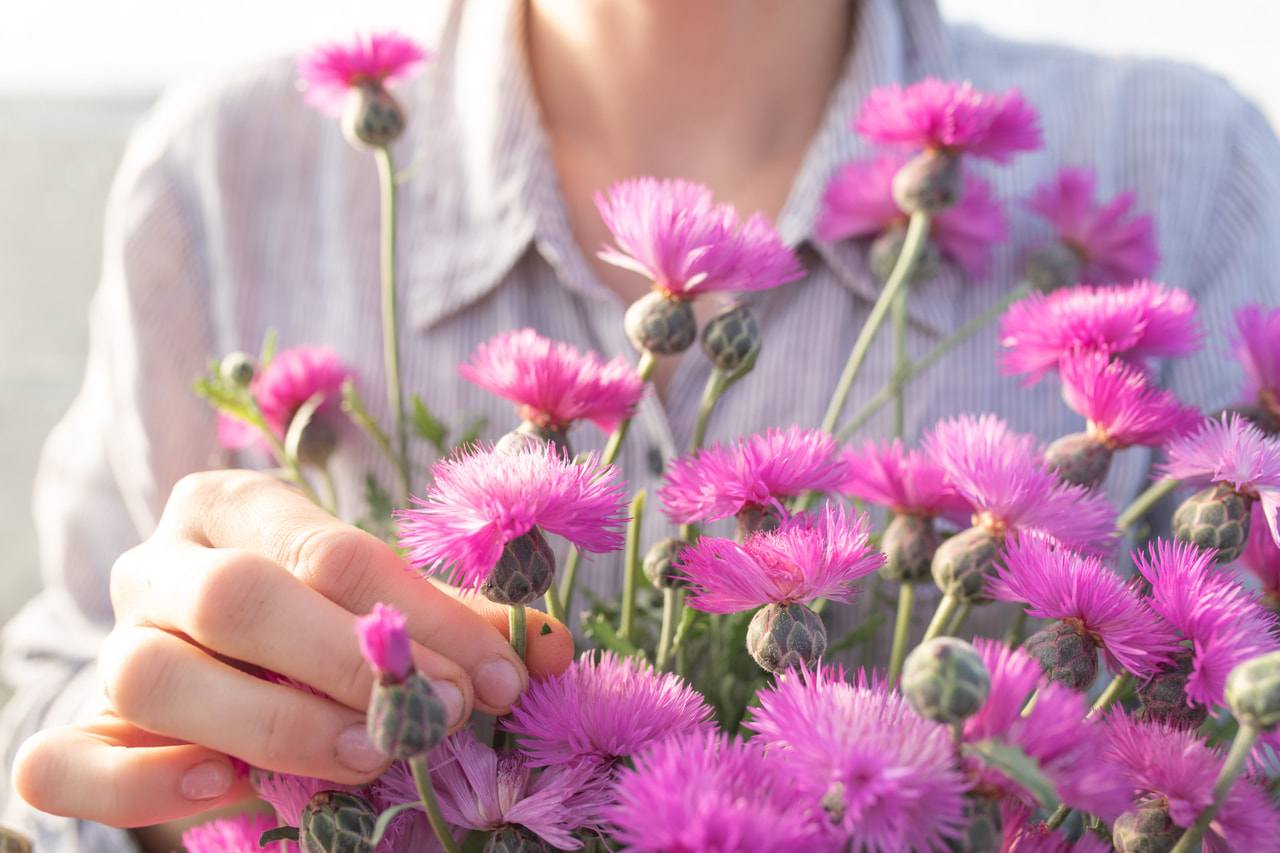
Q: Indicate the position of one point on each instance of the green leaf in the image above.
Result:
(384, 820)
(377, 499)
(427, 425)
(476, 841)
(280, 833)
(268, 351)
(302, 417)
(858, 635)
(1013, 762)
(472, 433)
(546, 629)
(598, 628)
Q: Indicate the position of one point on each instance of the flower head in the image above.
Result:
(1110, 248)
(293, 377)
(1057, 583)
(810, 556)
(721, 480)
(330, 71)
(237, 834)
(858, 202)
(384, 642)
(1000, 473)
(906, 481)
(952, 117)
(604, 708)
(672, 232)
(553, 383)
(1256, 345)
(481, 500)
(885, 776)
(1225, 623)
(1122, 406)
(707, 793)
(1136, 322)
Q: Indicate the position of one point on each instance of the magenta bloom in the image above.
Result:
(292, 378)
(1000, 473)
(1257, 347)
(706, 793)
(1233, 451)
(858, 202)
(721, 481)
(553, 383)
(1261, 556)
(237, 834)
(1162, 762)
(604, 709)
(384, 643)
(1068, 749)
(908, 482)
(810, 556)
(673, 233)
(888, 772)
(1137, 322)
(481, 500)
(330, 71)
(952, 117)
(1122, 406)
(1057, 583)
(1225, 623)
(1111, 246)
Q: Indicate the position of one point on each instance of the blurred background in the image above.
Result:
(75, 75)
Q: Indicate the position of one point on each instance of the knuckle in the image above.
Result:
(333, 560)
(196, 494)
(137, 668)
(277, 734)
(228, 597)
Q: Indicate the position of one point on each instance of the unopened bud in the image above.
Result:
(931, 182)
(756, 518)
(337, 822)
(318, 441)
(731, 338)
(1216, 517)
(1079, 459)
(885, 250)
(945, 680)
(524, 571)
(661, 325)
(237, 368)
(516, 839)
(984, 827)
(1253, 691)
(372, 117)
(786, 636)
(963, 563)
(1164, 697)
(1146, 829)
(407, 718)
(909, 543)
(1051, 267)
(529, 436)
(660, 564)
(1067, 655)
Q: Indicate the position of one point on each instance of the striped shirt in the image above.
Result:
(239, 210)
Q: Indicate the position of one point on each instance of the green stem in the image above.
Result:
(631, 569)
(672, 600)
(901, 627)
(290, 464)
(1059, 815)
(1236, 758)
(1144, 502)
(946, 609)
(422, 779)
(710, 394)
(1014, 636)
(898, 318)
(962, 613)
(914, 369)
(517, 621)
(917, 232)
(390, 329)
(1114, 691)
(555, 609)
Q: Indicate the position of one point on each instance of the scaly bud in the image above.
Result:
(1051, 267)
(1164, 697)
(931, 182)
(660, 324)
(786, 636)
(945, 680)
(660, 564)
(885, 250)
(237, 368)
(1147, 829)
(1079, 459)
(1067, 655)
(337, 822)
(909, 543)
(372, 117)
(1215, 517)
(524, 571)
(516, 839)
(1253, 691)
(963, 563)
(406, 719)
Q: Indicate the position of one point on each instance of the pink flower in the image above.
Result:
(1261, 556)
(810, 556)
(1225, 623)
(604, 709)
(707, 793)
(1257, 347)
(671, 232)
(1233, 451)
(1137, 322)
(329, 71)
(908, 482)
(1122, 406)
(1000, 473)
(384, 643)
(553, 382)
(858, 202)
(885, 776)
(721, 481)
(1068, 749)
(292, 378)
(1057, 583)
(952, 117)
(1161, 762)
(237, 834)
(480, 501)
(1021, 837)
(1110, 249)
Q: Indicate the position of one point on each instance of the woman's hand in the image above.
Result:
(244, 572)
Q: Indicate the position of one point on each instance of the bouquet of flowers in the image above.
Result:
(709, 714)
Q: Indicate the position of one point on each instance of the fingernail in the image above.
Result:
(451, 696)
(356, 750)
(206, 780)
(498, 683)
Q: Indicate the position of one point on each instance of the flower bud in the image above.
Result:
(516, 839)
(12, 841)
(883, 255)
(337, 822)
(963, 563)
(529, 436)
(731, 338)
(660, 564)
(660, 324)
(909, 543)
(1051, 267)
(1253, 691)
(524, 571)
(931, 182)
(756, 518)
(786, 636)
(407, 719)
(372, 117)
(984, 827)
(384, 643)
(1067, 655)
(1079, 459)
(237, 368)
(1147, 829)
(945, 680)
(317, 442)
(1215, 517)
(1164, 697)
